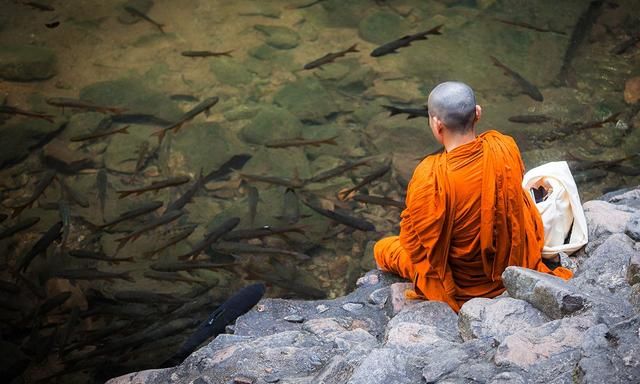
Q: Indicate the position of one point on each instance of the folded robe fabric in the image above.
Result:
(466, 219)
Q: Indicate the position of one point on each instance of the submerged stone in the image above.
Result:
(307, 99)
(229, 71)
(383, 27)
(19, 139)
(26, 63)
(279, 37)
(271, 123)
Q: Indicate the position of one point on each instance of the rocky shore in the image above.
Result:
(542, 330)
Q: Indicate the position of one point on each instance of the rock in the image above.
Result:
(380, 296)
(386, 365)
(352, 307)
(322, 308)
(368, 280)
(58, 155)
(546, 351)
(83, 123)
(634, 298)
(271, 123)
(26, 63)
(453, 361)
(287, 163)
(383, 27)
(229, 71)
(398, 299)
(497, 318)
(551, 295)
(632, 90)
(629, 198)
(507, 378)
(603, 219)
(279, 37)
(19, 139)
(307, 99)
(632, 229)
(294, 319)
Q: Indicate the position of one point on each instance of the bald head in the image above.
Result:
(454, 104)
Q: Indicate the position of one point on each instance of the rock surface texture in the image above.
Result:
(541, 330)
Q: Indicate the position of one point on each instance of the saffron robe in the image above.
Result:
(466, 219)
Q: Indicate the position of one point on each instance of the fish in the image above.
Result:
(301, 142)
(17, 111)
(528, 26)
(64, 102)
(155, 186)
(65, 216)
(184, 97)
(19, 226)
(580, 31)
(166, 218)
(91, 274)
(411, 112)
(42, 184)
(53, 24)
(143, 150)
(102, 182)
(290, 183)
(139, 118)
(136, 12)
(252, 198)
(307, 5)
(329, 58)
(211, 237)
(576, 127)
(529, 119)
(186, 197)
(339, 170)
(182, 234)
(239, 248)
(146, 297)
(236, 162)
(84, 254)
(205, 105)
(526, 86)
(235, 306)
(100, 134)
(175, 266)
(40, 6)
(374, 175)
(347, 220)
(379, 200)
(290, 207)
(52, 303)
(404, 41)
(172, 276)
(256, 233)
(140, 210)
(206, 53)
(52, 234)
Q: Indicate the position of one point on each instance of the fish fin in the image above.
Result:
(393, 110)
(121, 243)
(160, 135)
(124, 129)
(227, 53)
(352, 48)
(332, 140)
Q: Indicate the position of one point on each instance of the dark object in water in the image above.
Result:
(529, 119)
(339, 170)
(379, 200)
(627, 44)
(102, 182)
(166, 218)
(53, 24)
(404, 41)
(236, 306)
(175, 266)
(289, 183)
(147, 207)
(411, 112)
(347, 220)
(84, 254)
(528, 26)
(139, 118)
(300, 142)
(290, 207)
(256, 233)
(65, 102)
(17, 111)
(155, 186)
(181, 234)
(376, 174)
(211, 237)
(3, 217)
(91, 274)
(172, 276)
(183, 97)
(52, 234)
(310, 4)
(204, 106)
(37, 192)
(206, 53)
(524, 84)
(136, 12)
(586, 21)
(330, 57)
(242, 248)
(19, 226)
(100, 134)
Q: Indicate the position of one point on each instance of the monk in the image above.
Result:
(467, 217)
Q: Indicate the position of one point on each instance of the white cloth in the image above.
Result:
(561, 209)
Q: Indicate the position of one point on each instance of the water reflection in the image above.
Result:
(266, 141)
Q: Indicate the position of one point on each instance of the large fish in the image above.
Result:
(64, 102)
(177, 236)
(17, 111)
(301, 142)
(204, 106)
(52, 234)
(376, 174)
(256, 233)
(100, 134)
(339, 170)
(99, 256)
(329, 57)
(379, 200)
(133, 213)
(236, 306)
(91, 274)
(155, 186)
(526, 86)
(166, 218)
(404, 41)
(411, 112)
(206, 53)
(347, 220)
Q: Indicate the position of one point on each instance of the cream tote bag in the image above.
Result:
(559, 205)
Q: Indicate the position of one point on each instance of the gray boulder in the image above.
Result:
(553, 296)
(497, 318)
(456, 363)
(604, 218)
(26, 63)
(632, 229)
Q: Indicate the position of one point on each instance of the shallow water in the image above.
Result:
(106, 56)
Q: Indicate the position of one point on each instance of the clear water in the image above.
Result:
(106, 56)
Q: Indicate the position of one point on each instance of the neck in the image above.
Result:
(454, 140)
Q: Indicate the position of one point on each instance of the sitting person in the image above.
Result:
(467, 217)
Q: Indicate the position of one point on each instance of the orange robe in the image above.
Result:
(466, 219)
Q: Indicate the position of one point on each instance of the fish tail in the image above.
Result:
(352, 48)
(227, 53)
(435, 30)
(160, 135)
(124, 129)
(393, 110)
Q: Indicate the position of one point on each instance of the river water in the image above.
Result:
(558, 66)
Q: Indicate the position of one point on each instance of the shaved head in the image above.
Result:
(454, 104)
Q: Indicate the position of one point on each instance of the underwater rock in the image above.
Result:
(271, 123)
(632, 90)
(19, 139)
(26, 63)
(383, 27)
(229, 71)
(279, 37)
(307, 99)
(286, 163)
